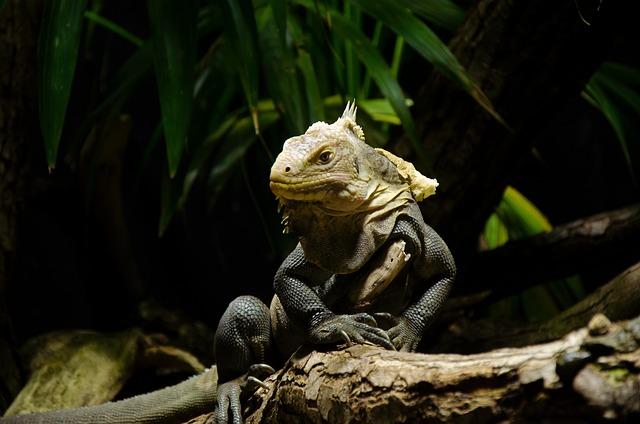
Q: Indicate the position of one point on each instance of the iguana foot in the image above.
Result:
(229, 409)
(357, 328)
(402, 333)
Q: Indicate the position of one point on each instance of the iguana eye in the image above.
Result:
(325, 156)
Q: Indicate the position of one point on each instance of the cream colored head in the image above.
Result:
(324, 165)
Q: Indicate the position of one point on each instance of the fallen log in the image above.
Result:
(589, 374)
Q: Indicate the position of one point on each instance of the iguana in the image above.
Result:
(367, 269)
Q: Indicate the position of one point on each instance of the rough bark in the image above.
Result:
(529, 57)
(18, 34)
(586, 375)
(618, 299)
(606, 241)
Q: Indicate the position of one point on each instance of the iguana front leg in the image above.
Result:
(242, 344)
(432, 256)
(302, 304)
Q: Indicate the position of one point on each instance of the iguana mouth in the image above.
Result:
(309, 190)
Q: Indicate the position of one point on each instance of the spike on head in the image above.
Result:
(350, 111)
(348, 120)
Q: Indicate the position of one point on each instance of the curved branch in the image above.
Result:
(602, 242)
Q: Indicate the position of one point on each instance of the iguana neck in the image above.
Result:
(340, 241)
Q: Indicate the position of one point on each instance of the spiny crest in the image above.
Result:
(350, 111)
(348, 119)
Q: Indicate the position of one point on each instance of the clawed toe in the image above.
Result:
(253, 384)
(252, 380)
(260, 370)
(345, 337)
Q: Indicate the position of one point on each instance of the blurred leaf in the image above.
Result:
(307, 69)
(233, 149)
(173, 31)
(625, 74)
(168, 202)
(242, 35)
(2, 3)
(419, 36)
(495, 232)
(203, 154)
(209, 19)
(520, 215)
(352, 15)
(444, 13)
(57, 54)
(314, 100)
(127, 77)
(113, 27)
(516, 217)
(279, 10)
(611, 90)
(375, 41)
(282, 77)
(381, 110)
(381, 74)
(397, 57)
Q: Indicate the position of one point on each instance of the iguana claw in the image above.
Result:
(357, 328)
(253, 383)
(229, 393)
(260, 369)
(345, 337)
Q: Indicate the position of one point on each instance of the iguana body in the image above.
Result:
(354, 211)
(364, 254)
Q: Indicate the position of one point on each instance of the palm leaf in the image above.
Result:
(173, 31)
(419, 36)
(57, 55)
(279, 10)
(113, 27)
(612, 91)
(443, 13)
(241, 31)
(281, 74)
(381, 74)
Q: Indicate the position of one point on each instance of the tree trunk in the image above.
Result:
(529, 57)
(18, 34)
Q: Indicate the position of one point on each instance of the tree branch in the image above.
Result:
(584, 375)
(603, 242)
(619, 299)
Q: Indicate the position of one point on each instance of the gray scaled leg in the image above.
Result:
(242, 344)
(436, 266)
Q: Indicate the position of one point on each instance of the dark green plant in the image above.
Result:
(228, 71)
(287, 61)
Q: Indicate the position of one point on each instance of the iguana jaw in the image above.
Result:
(318, 189)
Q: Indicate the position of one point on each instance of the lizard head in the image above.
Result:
(324, 166)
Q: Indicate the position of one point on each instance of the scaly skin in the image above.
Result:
(349, 205)
(173, 404)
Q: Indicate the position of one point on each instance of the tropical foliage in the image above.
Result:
(235, 74)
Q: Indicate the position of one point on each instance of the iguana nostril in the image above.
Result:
(287, 169)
